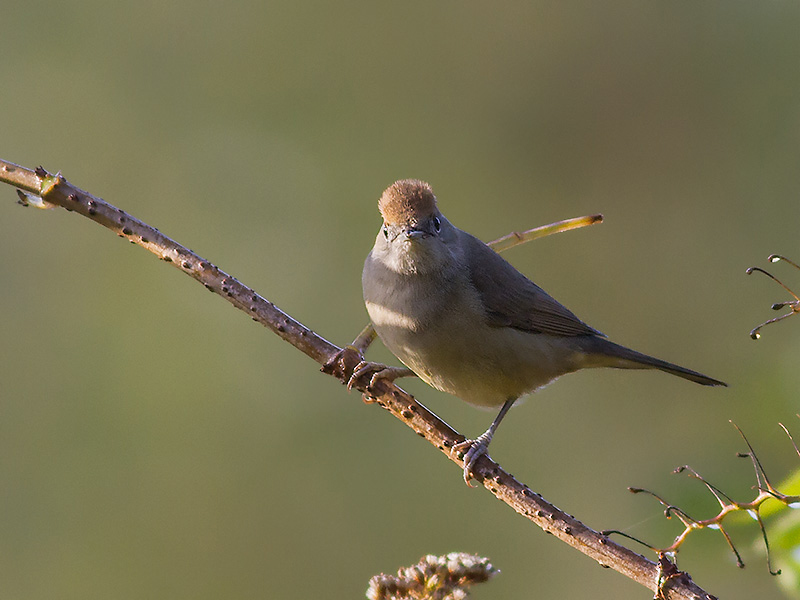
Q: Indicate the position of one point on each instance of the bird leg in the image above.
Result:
(474, 449)
(365, 338)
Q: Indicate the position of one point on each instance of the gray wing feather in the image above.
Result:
(513, 300)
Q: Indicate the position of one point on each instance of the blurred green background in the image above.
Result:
(155, 443)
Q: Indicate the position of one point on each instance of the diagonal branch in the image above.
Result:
(54, 190)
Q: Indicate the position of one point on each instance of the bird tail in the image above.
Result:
(602, 353)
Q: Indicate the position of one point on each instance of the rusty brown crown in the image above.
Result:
(406, 201)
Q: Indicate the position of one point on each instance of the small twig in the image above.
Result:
(515, 238)
(794, 305)
(54, 190)
(21, 178)
(727, 505)
(791, 439)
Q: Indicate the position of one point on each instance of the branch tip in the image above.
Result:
(793, 305)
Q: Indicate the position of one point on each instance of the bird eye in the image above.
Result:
(437, 224)
(385, 232)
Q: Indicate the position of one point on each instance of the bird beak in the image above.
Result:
(414, 234)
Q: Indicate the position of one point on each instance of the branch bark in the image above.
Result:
(54, 190)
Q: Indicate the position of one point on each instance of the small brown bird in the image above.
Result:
(467, 322)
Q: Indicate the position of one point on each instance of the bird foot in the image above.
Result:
(472, 451)
(376, 372)
(349, 366)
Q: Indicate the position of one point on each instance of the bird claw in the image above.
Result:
(472, 451)
(363, 368)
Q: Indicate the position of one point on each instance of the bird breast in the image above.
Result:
(437, 326)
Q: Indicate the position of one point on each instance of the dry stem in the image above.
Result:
(57, 191)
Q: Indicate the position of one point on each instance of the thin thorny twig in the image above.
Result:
(727, 506)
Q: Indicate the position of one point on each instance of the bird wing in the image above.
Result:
(513, 300)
